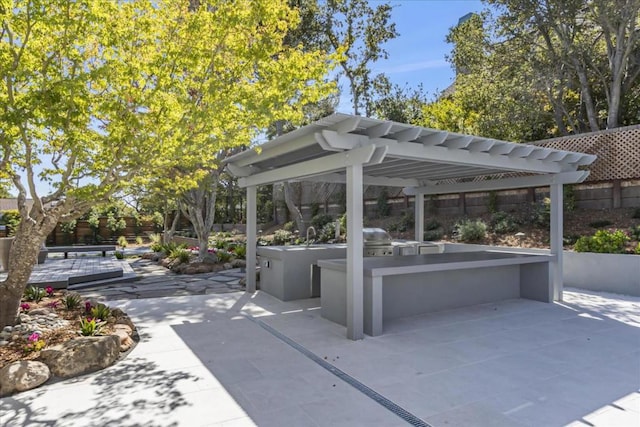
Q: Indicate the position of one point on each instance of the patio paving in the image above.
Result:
(211, 360)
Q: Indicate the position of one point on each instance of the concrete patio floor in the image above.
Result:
(211, 360)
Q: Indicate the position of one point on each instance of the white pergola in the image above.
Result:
(361, 151)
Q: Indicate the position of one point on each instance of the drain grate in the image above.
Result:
(372, 394)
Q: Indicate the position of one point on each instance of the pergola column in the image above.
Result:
(355, 294)
(252, 226)
(418, 202)
(556, 240)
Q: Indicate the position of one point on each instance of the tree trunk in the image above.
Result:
(199, 206)
(168, 234)
(293, 209)
(22, 257)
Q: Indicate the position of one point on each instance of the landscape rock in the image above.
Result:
(210, 258)
(22, 375)
(81, 355)
(40, 311)
(238, 263)
(227, 266)
(123, 338)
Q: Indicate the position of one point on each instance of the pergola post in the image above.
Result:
(355, 293)
(556, 240)
(418, 202)
(252, 226)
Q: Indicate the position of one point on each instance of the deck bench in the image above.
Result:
(84, 248)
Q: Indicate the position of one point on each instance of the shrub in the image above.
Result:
(492, 202)
(321, 220)
(471, 231)
(541, 213)
(382, 203)
(181, 254)
(90, 327)
(119, 254)
(122, 242)
(502, 223)
(155, 238)
(436, 234)
(71, 301)
(280, 237)
(34, 293)
(600, 223)
(220, 244)
(634, 232)
(240, 251)
(139, 240)
(10, 218)
(289, 226)
(224, 256)
(432, 225)
(101, 311)
(603, 241)
(637, 250)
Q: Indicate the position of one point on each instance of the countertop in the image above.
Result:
(384, 266)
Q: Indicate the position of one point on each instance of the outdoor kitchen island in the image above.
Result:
(403, 286)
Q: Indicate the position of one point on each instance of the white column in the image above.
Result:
(556, 239)
(252, 235)
(355, 314)
(418, 202)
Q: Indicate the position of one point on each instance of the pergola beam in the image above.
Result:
(338, 178)
(501, 184)
(330, 163)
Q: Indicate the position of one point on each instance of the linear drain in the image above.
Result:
(372, 394)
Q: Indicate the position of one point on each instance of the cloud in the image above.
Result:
(416, 66)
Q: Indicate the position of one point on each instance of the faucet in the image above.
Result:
(314, 233)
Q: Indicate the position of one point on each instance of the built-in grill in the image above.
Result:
(377, 242)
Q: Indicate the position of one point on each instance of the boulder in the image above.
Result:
(210, 258)
(239, 263)
(123, 338)
(81, 355)
(22, 375)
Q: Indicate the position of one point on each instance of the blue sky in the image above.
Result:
(418, 54)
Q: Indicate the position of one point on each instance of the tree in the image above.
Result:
(358, 31)
(598, 41)
(118, 92)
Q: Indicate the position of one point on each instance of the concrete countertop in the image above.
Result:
(386, 266)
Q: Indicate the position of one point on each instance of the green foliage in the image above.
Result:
(240, 251)
(432, 224)
(155, 238)
(71, 301)
(10, 218)
(502, 223)
(115, 224)
(603, 241)
(101, 311)
(382, 204)
(156, 247)
(541, 213)
(90, 327)
(433, 234)
(139, 240)
(68, 227)
(119, 254)
(600, 223)
(179, 253)
(34, 293)
(634, 232)
(122, 242)
(281, 237)
(289, 226)
(470, 231)
(320, 221)
(315, 209)
(403, 223)
(492, 202)
(569, 197)
(637, 249)
(93, 219)
(224, 256)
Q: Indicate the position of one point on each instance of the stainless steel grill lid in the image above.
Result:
(375, 236)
